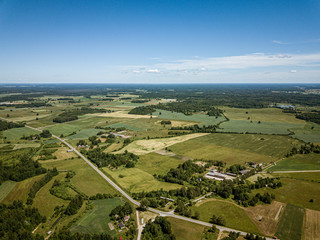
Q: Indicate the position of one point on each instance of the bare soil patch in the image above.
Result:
(266, 217)
(312, 225)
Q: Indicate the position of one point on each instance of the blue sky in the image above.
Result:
(200, 41)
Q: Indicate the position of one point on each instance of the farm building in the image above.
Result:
(121, 225)
(242, 172)
(213, 174)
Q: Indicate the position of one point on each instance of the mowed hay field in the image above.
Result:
(311, 225)
(290, 225)
(84, 122)
(96, 220)
(236, 148)
(45, 201)
(310, 133)
(298, 162)
(245, 126)
(296, 192)
(141, 147)
(270, 217)
(202, 119)
(5, 188)
(186, 230)
(155, 163)
(138, 180)
(86, 179)
(17, 133)
(235, 216)
(21, 189)
(261, 114)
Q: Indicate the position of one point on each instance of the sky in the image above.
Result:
(159, 41)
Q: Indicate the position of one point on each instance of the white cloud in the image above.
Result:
(136, 71)
(278, 42)
(293, 71)
(153, 70)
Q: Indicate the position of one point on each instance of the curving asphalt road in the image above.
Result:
(161, 213)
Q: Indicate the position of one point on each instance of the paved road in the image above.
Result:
(161, 213)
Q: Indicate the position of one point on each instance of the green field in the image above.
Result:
(261, 114)
(20, 190)
(290, 225)
(17, 133)
(83, 134)
(96, 220)
(243, 126)
(202, 119)
(154, 163)
(86, 179)
(137, 180)
(296, 192)
(236, 148)
(187, 230)
(307, 176)
(235, 216)
(5, 188)
(310, 133)
(84, 122)
(298, 162)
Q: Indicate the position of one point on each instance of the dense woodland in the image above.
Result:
(18, 221)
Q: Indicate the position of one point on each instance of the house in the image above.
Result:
(126, 218)
(69, 150)
(121, 225)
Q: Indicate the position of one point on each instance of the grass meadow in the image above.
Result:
(138, 180)
(236, 148)
(96, 220)
(298, 162)
(17, 133)
(245, 126)
(296, 192)
(201, 119)
(235, 216)
(5, 188)
(187, 230)
(20, 190)
(86, 179)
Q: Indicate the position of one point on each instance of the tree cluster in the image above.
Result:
(102, 159)
(143, 110)
(74, 205)
(73, 114)
(4, 125)
(24, 169)
(121, 211)
(159, 229)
